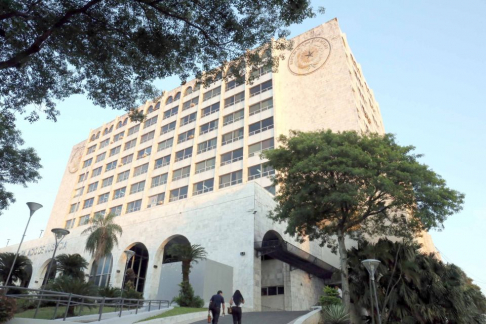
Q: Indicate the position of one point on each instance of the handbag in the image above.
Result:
(209, 318)
(230, 310)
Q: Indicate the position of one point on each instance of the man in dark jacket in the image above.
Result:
(215, 304)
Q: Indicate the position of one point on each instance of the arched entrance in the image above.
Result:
(273, 275)
(137, 267)
(179, 239)
(52, 274)
(100, 273)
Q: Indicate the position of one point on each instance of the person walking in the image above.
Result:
(215, 305)
(236, 312)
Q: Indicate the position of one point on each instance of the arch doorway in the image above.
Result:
(273, 275)
(137, 267)
(179, 239)
(52, 275)
(100, 273)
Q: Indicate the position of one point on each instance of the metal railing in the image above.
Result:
(66, 305)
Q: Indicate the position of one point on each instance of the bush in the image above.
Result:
(7, 308)
(186, 296)
(330, 297)
(109, 292)
(25, 304)
(335, 314)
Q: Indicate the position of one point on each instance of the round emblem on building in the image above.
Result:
(309, 56)
(75, 159)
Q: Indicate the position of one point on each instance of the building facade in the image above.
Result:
(192, 174)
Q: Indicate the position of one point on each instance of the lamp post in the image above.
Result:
(32, 207)
(129, 254)
(59, 234)
(371, 265)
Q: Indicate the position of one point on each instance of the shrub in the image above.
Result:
(186, 296)
(330, 297)
(7, 308)
(335, 314)
(109, 292)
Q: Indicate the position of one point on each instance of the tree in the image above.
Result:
(71, 265)
(103, 235)
(76, 286)
(187, 254)
(18, 166)
(339, 185)
(114, 50)
(414, 287)
(19, 273)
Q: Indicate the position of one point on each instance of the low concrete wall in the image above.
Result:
(313, 317)
(180, 318)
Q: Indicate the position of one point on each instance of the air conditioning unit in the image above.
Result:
(193, 104)
(160, 203)
(111, 142)
(191, 136)
(145, 155)
(121, 164)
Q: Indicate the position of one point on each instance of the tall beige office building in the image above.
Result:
(192, 174)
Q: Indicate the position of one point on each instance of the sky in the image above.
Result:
(425, 62)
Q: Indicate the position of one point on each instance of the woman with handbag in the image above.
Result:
(235, 310)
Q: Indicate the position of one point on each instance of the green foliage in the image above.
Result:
(335, 314)
(20, 270)
(103, 235)
(187, 254)
(109, 292)
(415, 287)
(330, 297)
(68, 284)
(186, 296)
(7, 308)
(72, 265)
(18, 166)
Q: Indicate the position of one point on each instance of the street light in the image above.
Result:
(371, 265)
(32, 207)
(59, 234)
(129, 254)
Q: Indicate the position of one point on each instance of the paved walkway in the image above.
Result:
(261, 318)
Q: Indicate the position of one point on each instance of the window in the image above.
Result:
(118, 137)
(159, 180)
(186, 136)
(83, 220)
(96, 172)
(162, 162)
(126, 159)
(137, 187)
(100, 157)
(210, 110)
(111, 165)
(167, 128)
(233, 156)
(157, 106)
(206, 128)
(184, 154)
(69, 224)
(259, 171)
(91, 149)
(107, 182)
(207, 145)
(271, 189)
(133, 130)
(231, 179)
(87, 163)
(233, 117)
(123, 176)
(134, 206)
(230, 101)
(260, 147)
(205, 165)
(188, 119)
(171, 112)
(130, 144)
(101, 271)
(165, 144)
(261, 106)
(273, 291)
(115, 150)
(104, 143)
(203, 187)
(256, 90)
(190, 103)
(116, 210)
(197, 86)
(144, 153)
(73, 208)
(212, 93)
(88, 203)
(232, 136)
(181, 173)
(103, 198)
(261, 126)
(140, 169)
(150, 109)
(78, 192)
(169, 100)
(82, 177)
(119, 193)
(156, 200)
(147, 137)
(177, 194)
(93, 186)
(188, 91)
(177, 96)
(149, 122)
(232, 84)
(256, 73)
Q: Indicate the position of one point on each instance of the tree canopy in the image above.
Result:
(338, 185)
(103, 235)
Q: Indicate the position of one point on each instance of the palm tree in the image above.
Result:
(74, 286)
(19, 273)
(187, 254)
(71, 265)
(103, 236)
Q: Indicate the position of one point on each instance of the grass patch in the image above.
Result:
(48, 312)
(177, 311)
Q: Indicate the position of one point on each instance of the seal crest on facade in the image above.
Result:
(309, 56)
